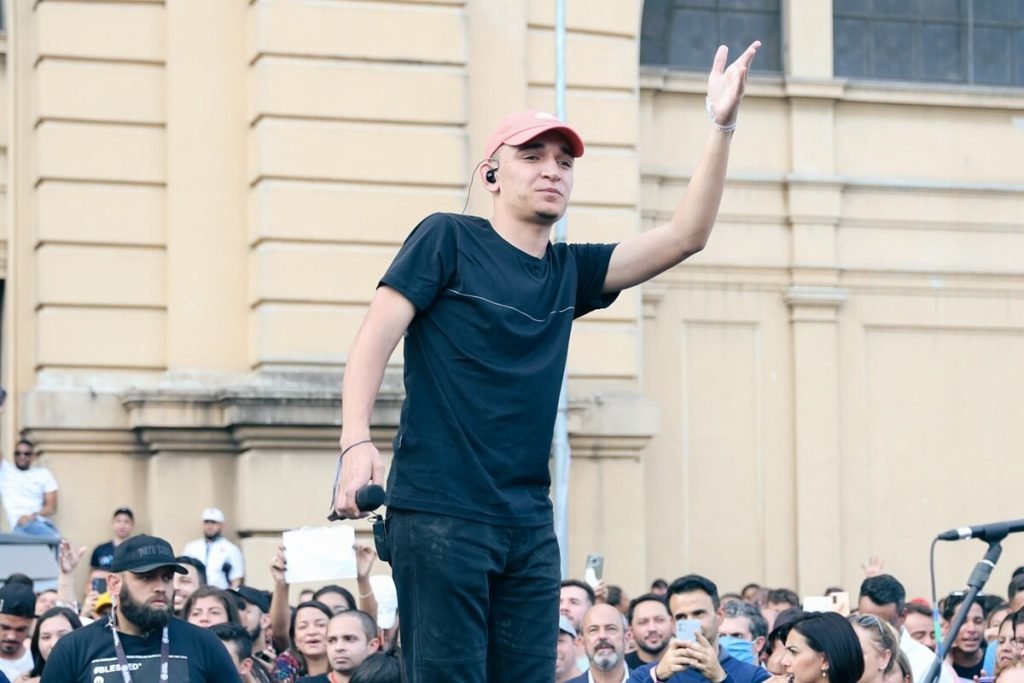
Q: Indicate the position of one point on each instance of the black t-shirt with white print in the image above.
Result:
(88, 656)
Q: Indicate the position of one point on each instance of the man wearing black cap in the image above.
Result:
(142, 640)
(17, 609)
(255, 617)
(123, 524)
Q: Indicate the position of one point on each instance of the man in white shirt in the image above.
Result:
(29, 494)
(17, 610)
(225, 566)
(885, 597)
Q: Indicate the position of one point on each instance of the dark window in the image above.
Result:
(943, 41)
(683, 34)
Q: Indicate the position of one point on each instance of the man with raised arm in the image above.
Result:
(486, 307)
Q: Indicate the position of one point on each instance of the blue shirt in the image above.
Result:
(735, 672)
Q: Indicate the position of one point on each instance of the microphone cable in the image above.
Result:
(936, 624)
(469, 189)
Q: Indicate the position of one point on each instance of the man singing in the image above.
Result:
(486, 307)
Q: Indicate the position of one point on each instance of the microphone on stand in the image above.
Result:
(984, 532)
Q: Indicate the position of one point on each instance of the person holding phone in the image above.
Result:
(694, 604)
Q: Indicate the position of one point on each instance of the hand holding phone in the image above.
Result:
(593, 573)
(687, 630)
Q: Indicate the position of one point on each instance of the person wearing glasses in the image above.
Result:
(29, 494)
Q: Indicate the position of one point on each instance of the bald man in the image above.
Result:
(604, 639)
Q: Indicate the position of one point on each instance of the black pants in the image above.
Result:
(477, 603)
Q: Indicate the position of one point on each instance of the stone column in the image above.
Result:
(207, 265)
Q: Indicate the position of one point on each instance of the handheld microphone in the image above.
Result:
(368, 499)
(985, 532)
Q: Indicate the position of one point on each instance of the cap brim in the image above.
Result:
(524, 136)
(178, 569)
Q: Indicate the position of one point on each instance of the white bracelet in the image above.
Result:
(711, 115)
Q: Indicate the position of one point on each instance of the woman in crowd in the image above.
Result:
(775, 647)
(880, 645)
(51, 626)
(1006, 647)
(307, 633)
(209, 606)
(902, 672)
(823, 647)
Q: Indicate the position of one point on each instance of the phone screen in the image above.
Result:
(99, 585)
(594, 571)
(687, 629)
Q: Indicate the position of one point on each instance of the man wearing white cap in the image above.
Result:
(485, 308)
(225, 566)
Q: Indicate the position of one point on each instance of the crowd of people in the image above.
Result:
(759, 634)
(155, 613)
(486, 308)
(177, 617)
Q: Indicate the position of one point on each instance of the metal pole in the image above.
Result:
(560, 442)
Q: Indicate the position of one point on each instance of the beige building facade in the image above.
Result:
(199, 198)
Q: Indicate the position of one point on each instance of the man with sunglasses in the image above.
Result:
(29, 494)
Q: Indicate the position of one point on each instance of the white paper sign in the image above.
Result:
(320, 553)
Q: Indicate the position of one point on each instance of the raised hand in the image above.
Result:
(278, 566)
(365, 556)
(68, 558)
(726, 85)
(873, 567)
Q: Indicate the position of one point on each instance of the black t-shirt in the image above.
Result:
(321, 678)
(633, 660)
(968, 673)
(102, 556)
(484, 358)
(87, 656)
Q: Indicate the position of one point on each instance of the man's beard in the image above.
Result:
(26, 466)
(642, 645)
(605, 662)
(211, 537)
(254, 634)
(146, 619)
(10, 647)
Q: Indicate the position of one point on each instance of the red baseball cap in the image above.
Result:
(523, 126)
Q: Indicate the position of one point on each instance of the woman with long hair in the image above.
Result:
(307, 655)
(54, 623)
(880, 645)
(822, 647)
(209, 606)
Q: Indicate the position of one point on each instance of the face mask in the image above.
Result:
(742, 650)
